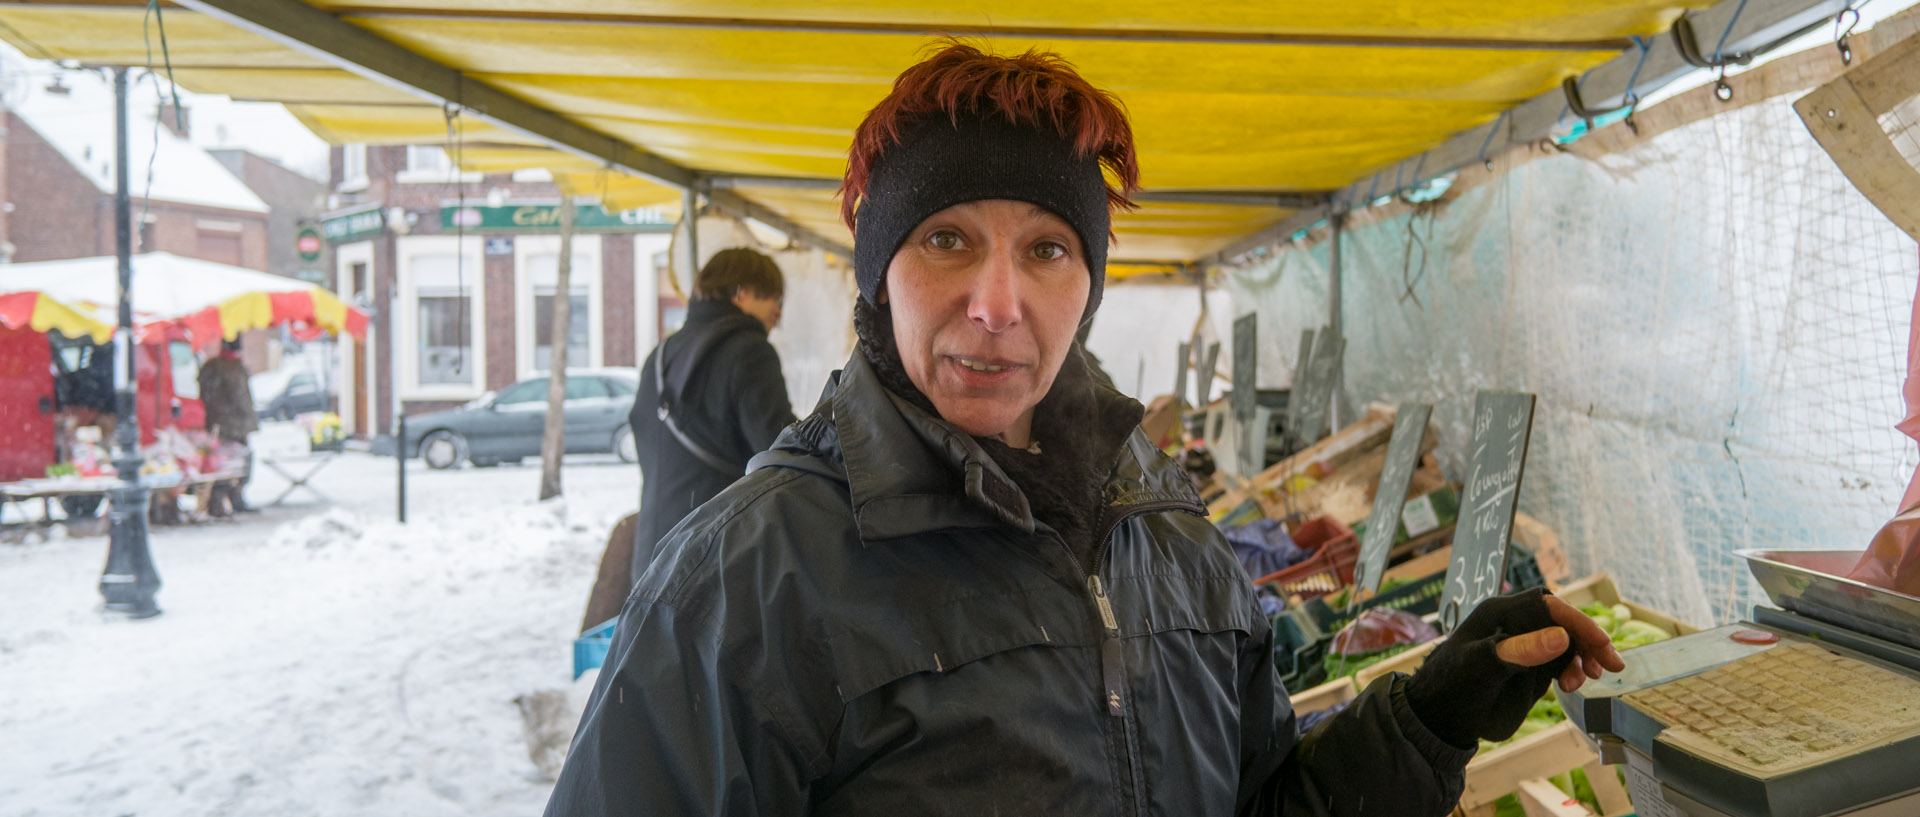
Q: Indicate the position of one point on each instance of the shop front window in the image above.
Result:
(577, 338)
(543, 271)
(444, 294)
(444, 332)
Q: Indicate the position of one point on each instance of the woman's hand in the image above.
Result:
(1593, 651)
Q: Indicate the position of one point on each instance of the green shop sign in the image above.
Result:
(355, 225)
(545, 218)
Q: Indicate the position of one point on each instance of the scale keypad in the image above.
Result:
(1786, 707)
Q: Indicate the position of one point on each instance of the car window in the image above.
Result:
(300, 381)
(525, 391)
(582, 387)
(619, 387)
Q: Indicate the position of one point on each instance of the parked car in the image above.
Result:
(284, 398)
(507, 426)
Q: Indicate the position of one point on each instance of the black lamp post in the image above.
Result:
(129, 581)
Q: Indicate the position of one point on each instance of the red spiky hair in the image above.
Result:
(1038, 88)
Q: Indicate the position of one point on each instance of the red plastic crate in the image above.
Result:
(1335, 551)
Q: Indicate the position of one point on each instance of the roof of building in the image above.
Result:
(79, 124)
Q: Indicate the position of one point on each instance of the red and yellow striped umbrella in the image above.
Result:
(32, 310)
(174, 298)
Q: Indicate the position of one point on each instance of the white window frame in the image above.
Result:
(405, 251)
(353, 167)
(531, 175)
(588, 273)
(438, 173)
(344, 257)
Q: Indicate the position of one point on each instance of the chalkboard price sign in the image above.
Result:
(1296, 399)
(1315, 391)
(1246, 369)
(1403, 455)
(1502, 425)
(1180, 379)
(1203, 378)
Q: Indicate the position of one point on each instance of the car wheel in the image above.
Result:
(624, 444)
(443, 449)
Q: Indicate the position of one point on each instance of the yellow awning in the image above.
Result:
(1235, 96)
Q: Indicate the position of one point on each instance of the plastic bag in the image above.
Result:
(1892, 560)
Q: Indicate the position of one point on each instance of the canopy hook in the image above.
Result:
(1488, 163)
(1571, 87)
(1688, 45)
(1842, 37)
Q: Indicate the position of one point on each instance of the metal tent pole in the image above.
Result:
(690, 214)
(1337, 223)
(129, 581)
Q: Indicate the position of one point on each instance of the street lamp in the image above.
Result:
(129, 581)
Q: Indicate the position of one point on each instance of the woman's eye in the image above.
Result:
(945, 240)
(1049, 251)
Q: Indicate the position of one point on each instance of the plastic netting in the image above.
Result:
(1714, 321)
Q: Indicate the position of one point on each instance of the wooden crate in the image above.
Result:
(1523, 766)
(1599, 587)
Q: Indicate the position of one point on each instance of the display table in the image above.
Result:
(20, 493)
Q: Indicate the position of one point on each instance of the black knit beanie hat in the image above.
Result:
(942, 161)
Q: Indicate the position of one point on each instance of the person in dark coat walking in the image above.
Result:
(967, 583)
(725, 395)
(226, 393)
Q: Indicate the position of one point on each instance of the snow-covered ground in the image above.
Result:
(316, 658)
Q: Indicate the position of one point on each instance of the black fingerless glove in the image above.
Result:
(1464, 692)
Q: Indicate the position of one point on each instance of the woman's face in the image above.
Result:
(986, 297)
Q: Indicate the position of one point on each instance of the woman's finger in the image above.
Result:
(1534, 648)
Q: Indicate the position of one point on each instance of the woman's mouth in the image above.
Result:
(982, 371)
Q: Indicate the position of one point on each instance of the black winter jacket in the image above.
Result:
(733, 401)
(871, 623)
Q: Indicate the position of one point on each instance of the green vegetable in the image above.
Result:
(1635, 633)
(1340, 666)
(1338, 601)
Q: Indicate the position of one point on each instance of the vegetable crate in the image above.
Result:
(1302, 633)
(1522, 769)
(1335, 550)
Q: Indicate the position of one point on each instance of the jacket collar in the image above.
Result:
(704, 310)
(909, 472)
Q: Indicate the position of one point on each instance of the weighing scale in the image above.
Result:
(1810, 709)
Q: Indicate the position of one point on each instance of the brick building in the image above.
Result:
(57, 183)
(293, 202)
(457, 271)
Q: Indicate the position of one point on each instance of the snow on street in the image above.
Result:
(315, 658)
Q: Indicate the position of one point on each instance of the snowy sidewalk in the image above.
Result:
(312, 659)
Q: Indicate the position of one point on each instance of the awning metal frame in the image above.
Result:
(1747, 24)
(321, 34)
(1283, 200)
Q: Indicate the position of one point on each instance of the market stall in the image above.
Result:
(60, 313)
(1268, 148)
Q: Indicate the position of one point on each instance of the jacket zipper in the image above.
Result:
(1113, 668)
(1113, 665)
